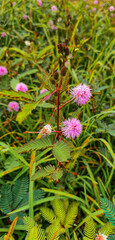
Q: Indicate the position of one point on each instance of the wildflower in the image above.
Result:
(14, 106)
(66, 63)
(95, 2)
(81, 93)
(27, 43)
(46, 130)
(101, 5)
(3, 34)
(84, 0)
(39, 2)
(101, 237)
(3, 71)
(54, 27)
(87, 6)
(50, 23)
(72, 128)
(111, 9)
(42, 91)
(94, 9)
(24, 17)
(54, 8)
(21, 87)
(14, 3)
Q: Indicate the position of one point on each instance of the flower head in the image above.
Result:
(39, 2)
(54, 8)
(94, 9)
(24, 17)
(3, 34)
(101, 237)
(27, 43)
(81, 93)
(95, 2)
(14, 3)
(14, 106)
(3, 71)
(101, 5)
(111, 9)
(21, 87)
(46, 130)
(42, 91)
(54, 27)
(87, 6)
(71, 128)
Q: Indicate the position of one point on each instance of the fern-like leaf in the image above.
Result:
(107, 229)
(29, 223)
(6, 198)
(111, 237)
(19, 190)
(109, 209)
(71, 215)
(53, 231)
(20, 96)
(57, 174)
(61, 151)
(66, 204)
(89, 229)
(43, 172)
(48, 214)
(59, 209)
(36, 234)
(35, 145)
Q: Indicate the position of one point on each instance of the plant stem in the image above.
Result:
(58, 108)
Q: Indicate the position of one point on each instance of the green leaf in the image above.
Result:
(59, 209)
(42, 52)
(90, 229)
(21, 52)
(25, 111)
(109, 209)
(35, 145)
(13, 83)
(19, 190)
(43, 172)
(27, 73)
(48, 214)
(46, 105)
(61, 151)
(2, 51)
(5, 198)
(20, 96)
(71, 215)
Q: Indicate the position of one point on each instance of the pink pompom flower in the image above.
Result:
(71, 128)
(13, 106)
(21, 87)
(111, 9)
(54, 27)
(101, 5)
(3, 34)
(87, 6)
(94, 9)
(101, 237)
(3, 71)
(44, 90)
(81, 93)
(54, 8)
(39, 2)
(95, 2)
(14, 3)
(25, 17)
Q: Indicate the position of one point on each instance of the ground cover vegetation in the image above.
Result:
(57, 120)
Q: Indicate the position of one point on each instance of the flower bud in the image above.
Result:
(66, 51)
(56, 75)
(46, 130)
(63, 71)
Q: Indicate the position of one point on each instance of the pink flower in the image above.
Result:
(39, 2)
(54, 27)
(21, 87)
(13, 105)
(87, 6)
(3, 71)
(44, 90)
(101, 5)
(72, 128)
(66, 63)
(24, 17)
(14, 3)
(54, 8)
(95, 2)
(94, 9)
(3, 34)
(50, 23)
(81, 93)
(84, 0)
(111, 9)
